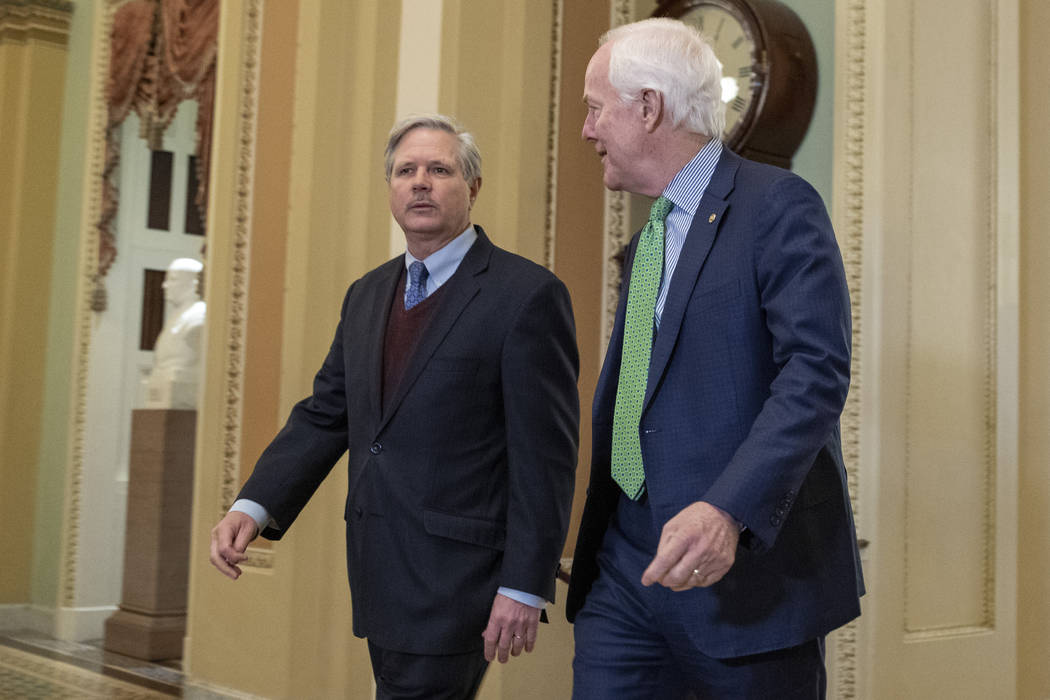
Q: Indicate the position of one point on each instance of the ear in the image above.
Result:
(475, 187)
(652, 108)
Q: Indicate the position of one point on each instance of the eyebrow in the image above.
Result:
(433, 161)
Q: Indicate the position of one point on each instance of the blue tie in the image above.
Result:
(417, 284)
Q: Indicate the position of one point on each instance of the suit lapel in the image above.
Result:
(698, 242)
(457, 293)
(386, 289)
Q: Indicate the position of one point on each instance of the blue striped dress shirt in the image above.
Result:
(685, 190)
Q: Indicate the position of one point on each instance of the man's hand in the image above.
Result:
(229, 540)
(697, 547)
(511, 629)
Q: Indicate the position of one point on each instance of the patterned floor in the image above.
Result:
(33, 667)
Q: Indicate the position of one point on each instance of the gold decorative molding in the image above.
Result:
(237, 313)
(851, 240)
(617, 236)
(23, 21)
(553, 124)
(88, 252)
(617, 215)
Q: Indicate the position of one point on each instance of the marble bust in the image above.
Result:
(173, 381)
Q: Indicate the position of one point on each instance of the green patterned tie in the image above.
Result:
(627, 469)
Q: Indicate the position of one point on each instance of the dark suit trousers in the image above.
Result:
(631, 644)
(401, 676)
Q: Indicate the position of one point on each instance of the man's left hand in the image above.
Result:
(512, 629)
(697, 547)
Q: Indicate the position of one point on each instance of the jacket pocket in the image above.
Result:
(485, 533)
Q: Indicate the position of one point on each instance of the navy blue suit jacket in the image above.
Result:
(748, 377)
(464, 481)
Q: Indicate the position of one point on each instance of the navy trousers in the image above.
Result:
(631, 644)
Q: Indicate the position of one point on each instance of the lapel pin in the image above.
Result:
(711, 219)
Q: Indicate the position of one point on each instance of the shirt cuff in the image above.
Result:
(255, 511)
(529, 599)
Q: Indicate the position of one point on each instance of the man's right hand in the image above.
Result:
(229, 540)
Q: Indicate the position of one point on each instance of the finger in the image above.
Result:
(218, 559)
(669, 552)
(666, 558)
(222, 565)
(700, 579)
(695, 580)
(504, 647)
(491, 635)
(247, 532)
(531, 632)
(684, 575)
(517, 645)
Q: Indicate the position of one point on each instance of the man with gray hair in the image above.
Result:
(717, 545)
(451, 382)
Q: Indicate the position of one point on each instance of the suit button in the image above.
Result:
(376, 448)
(779, 511)
(774, 520)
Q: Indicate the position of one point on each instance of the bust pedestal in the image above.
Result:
(151, 621)
(171, 388)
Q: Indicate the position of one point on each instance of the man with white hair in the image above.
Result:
(717, 546)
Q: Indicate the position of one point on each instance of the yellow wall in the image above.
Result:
(1033, 642)
(32, 75)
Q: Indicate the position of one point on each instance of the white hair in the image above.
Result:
(672, 58)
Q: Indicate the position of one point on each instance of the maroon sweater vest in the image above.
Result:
(403, 331)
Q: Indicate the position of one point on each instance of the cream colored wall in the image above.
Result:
(54, 439)
(927, 196)
(32, 75)
(1033, 639)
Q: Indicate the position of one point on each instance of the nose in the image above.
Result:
(421, 181)
(587, 133)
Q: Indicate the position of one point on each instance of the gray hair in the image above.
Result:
(674, 59)
(468, 156)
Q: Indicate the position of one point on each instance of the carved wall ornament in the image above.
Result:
(237, 311)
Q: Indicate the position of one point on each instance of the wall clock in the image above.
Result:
(769, 68)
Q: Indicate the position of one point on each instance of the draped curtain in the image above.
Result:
(161, 53)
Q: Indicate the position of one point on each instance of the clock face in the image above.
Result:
(735, 48)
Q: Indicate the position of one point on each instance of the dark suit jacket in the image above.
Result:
(748, 377)
(465, 482)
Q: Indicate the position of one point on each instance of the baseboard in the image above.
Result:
(26, 617)
(82, 624)
(206, 691)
